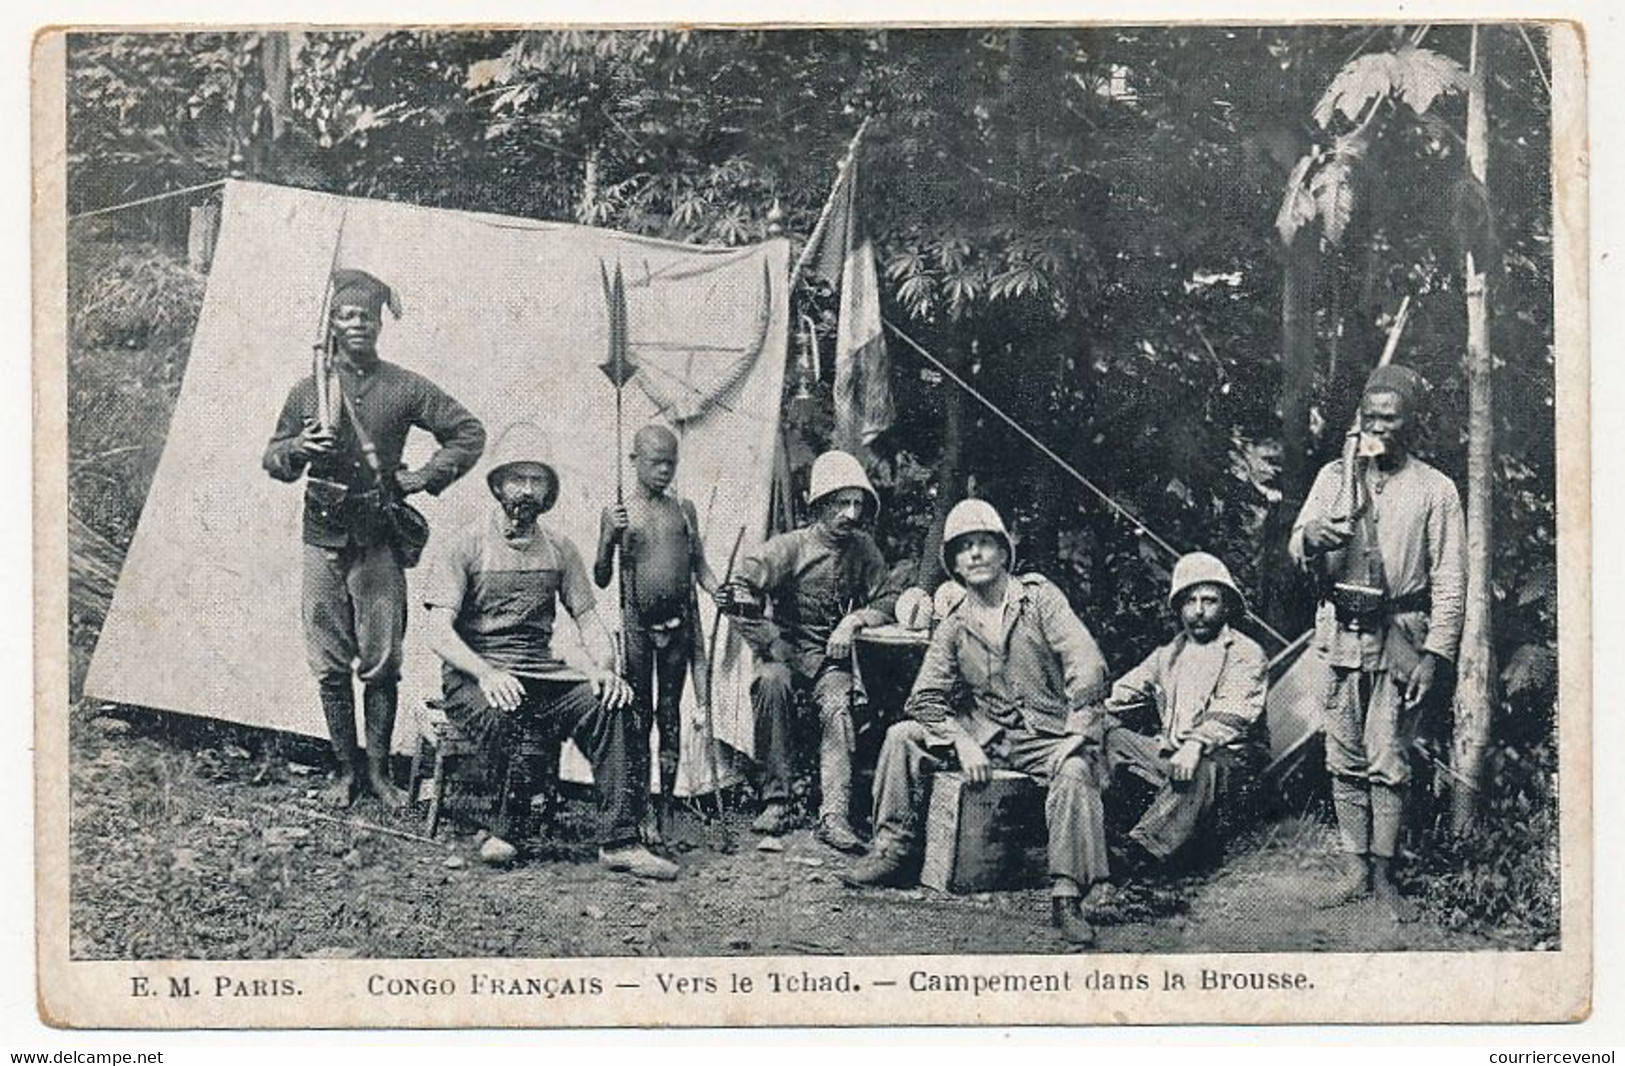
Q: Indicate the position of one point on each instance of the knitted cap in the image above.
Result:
(1399, 379)
(357, 288)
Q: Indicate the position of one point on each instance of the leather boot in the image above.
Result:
(774, 821)
(1353, 884)
(338, 707)
(836, 832)
(380, 713)
(891, 864)
(639, 861)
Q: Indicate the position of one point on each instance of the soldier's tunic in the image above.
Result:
(353, 598)
(1030, 694)
(813, 581)
(1420, 532)
(1421, 536)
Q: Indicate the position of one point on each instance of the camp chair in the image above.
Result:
(452, 773)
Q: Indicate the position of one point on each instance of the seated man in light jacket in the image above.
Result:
(1032, 677)
(1206, 689)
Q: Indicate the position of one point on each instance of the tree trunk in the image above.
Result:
(1474, 692)
(1298, 362)
(1284, 604)
(587, 207)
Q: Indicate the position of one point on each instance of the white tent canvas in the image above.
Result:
(508, 316)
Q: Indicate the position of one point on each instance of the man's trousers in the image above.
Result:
(1068, 771)
(1178, 809)
(520, 746)
(353, 600)
(1368, 739)
(773, 696)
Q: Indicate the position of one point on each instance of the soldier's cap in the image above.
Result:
(357, 288)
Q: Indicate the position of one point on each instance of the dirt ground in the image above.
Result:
(212, 851)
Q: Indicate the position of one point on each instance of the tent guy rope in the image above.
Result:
(1140, 527)
(171, 194)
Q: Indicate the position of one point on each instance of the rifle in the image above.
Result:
(321, 357)
(1361, 590)
(711, 665)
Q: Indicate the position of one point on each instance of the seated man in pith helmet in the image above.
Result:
(1031, 678)
(1205, 694)
(824, 583)
(492, 597)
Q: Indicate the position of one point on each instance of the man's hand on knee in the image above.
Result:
(611, 689)
(502, 690)
(973, 762)
(1184, 761)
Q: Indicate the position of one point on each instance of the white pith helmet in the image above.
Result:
(1200, 568)
(973, 516)
(837, 470)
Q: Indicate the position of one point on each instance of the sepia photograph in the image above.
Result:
(746, 525)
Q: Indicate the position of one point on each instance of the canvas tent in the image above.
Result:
(508, 316)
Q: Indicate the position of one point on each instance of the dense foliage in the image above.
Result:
(1090, 225)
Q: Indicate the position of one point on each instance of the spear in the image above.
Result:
(711, 662)
(619, 368)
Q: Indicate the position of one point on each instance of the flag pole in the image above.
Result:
(816, 238)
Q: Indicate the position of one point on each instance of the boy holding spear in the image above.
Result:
(656, 535)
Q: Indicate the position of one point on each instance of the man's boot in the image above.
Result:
(380, 712)
(1066, 914)
(1353, 884)
(774, 821)
(639, 861)
(1387, 893)
(338, 707)
(890, 865)
(836, 832)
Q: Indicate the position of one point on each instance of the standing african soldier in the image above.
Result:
(1012, 680)
(1389, 622)
(353, 598)
(661, 559)
(825, 582)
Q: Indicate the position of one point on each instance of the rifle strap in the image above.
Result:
(1371, 550)
(369, 450)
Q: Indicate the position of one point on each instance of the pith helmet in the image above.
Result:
(836, 470)
(523, 443)
(973, 516)
(1200, 568)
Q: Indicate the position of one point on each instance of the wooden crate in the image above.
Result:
(983, 839)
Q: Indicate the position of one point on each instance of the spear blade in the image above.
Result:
(618, 367)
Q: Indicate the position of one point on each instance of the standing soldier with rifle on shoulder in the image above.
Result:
(343, 428)
(1384, 533)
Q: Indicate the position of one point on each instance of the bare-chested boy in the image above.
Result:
(661, 559)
